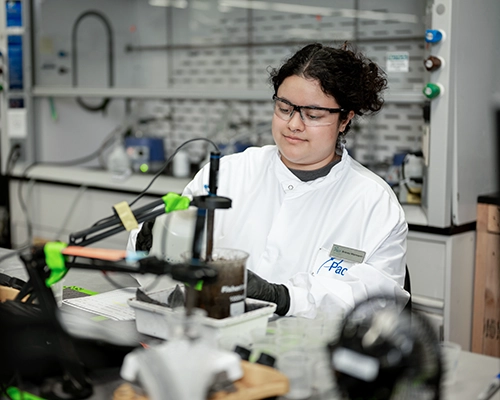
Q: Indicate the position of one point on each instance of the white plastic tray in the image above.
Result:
(152, 319)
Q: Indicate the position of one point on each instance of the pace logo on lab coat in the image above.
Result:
(330, 266)
(338, 260)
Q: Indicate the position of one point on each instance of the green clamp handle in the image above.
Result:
(175, 202)
(56, 261)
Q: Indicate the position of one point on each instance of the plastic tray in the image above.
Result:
(152, 319)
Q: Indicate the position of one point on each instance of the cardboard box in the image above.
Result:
(486, 313)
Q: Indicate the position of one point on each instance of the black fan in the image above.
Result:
(383, 353)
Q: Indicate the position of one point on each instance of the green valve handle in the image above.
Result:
(433, 90)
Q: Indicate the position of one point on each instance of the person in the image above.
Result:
(323, 232)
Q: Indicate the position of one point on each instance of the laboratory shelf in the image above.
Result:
(102, 179)
(400, 96)
(166, 93)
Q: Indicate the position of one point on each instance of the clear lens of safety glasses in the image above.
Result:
(311, 116)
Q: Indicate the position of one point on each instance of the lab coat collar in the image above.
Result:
(289, 181)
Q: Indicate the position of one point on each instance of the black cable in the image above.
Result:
(118, 227)
(169, 160)
(24, 209)
(12, 158)
(105, 102)
(139, 213)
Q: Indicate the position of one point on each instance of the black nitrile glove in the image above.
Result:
(144, 240)
(258, 288)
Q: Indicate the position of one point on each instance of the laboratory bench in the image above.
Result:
(475, 371)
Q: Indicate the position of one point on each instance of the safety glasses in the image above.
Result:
(310, 115)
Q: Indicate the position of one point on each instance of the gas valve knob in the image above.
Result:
(434, 36)
(433, 63)
(433, 90)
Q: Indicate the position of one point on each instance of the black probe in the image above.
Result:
(213, 182)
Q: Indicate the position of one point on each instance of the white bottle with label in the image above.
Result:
(118, 162)
(181, 164)
(412, 169)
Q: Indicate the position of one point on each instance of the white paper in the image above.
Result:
(16, 123)
(111, 304)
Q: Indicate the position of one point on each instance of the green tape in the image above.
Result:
(198, 286)
(56, 261)
(53, 110)
(81, 290)
(99, 318)
(16, 394)
(175, 202)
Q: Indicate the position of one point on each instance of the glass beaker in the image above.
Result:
(225, 297)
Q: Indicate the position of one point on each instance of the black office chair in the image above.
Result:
(407, 287)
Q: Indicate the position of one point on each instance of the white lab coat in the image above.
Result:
(289, 228)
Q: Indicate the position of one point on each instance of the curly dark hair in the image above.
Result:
(353, 80)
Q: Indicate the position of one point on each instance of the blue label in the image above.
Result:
(15, 61)
(13, 13)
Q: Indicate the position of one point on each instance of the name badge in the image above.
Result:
(347, 253)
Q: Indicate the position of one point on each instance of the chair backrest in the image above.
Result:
(407, 287)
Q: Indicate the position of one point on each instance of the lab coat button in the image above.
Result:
(290, 187)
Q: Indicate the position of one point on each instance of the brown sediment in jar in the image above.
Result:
(216, 298)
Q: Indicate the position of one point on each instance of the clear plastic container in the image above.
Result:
(173, 234)
(153, 319)
(118, 162)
